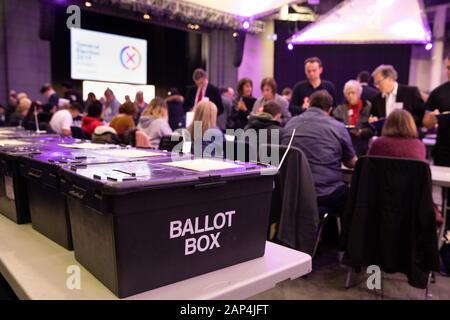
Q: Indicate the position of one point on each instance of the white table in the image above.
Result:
(35, 267)
(429, 142)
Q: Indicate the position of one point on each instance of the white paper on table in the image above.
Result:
(130, 153)
(9, 188)
(93, 146)
(187, 145)
(12, 142)
(203, 165)
(7, 131)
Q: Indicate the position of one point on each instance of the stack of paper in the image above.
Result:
(203, 165)
(12, 142)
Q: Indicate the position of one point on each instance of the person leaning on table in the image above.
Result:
(326, 144)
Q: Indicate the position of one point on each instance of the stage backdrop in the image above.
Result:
(172, 54)
(341, 62)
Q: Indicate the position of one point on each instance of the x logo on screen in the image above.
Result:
(130, 58)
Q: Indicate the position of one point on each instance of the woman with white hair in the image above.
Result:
(355, 113)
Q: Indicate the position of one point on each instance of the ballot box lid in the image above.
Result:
(132, 176)
(32, 145)
(64, 155)
(9, 134)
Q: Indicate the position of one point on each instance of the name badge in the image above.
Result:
(398, 105)
(350, 112)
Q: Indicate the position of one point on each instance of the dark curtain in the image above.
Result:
(341, 62)
(172, 54)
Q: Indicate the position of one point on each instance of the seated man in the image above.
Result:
(326, 143)
(62, 119)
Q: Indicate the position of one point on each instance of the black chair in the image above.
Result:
(129, 137)
(390, 220)
(166, 142)
(294, 213)
(325, 213)
(177, 115)
(77, 133)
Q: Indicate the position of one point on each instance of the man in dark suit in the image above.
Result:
(71, 94)
(202, 89)
(49, 93)
(395, 96)
(368, 92)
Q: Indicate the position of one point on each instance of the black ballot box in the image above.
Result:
(13, 190)
(141, 225)
(47, 205)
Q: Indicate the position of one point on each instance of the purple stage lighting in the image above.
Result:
(290, 46)
(429, 46)
(246, 24)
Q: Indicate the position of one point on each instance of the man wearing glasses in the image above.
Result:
(438, 104)
(394, 96)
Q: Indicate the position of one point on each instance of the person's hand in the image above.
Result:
(436, 112)
(429, 119)
(356, 132)
(373, 119)
(241, 106)
(305, 103)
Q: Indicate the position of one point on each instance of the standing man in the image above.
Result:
(304, 89)
(202, 89)
(111, 107)
(395, 96)
(71, 94)
(49, 93)
(438, 103)
(368, 92)
(140, 104)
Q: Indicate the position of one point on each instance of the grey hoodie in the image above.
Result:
(154, 128)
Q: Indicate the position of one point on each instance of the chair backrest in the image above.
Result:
(177, 115)
(77, 132)
(129, 137)
(294, 202)
(166, 142)
(390, 220)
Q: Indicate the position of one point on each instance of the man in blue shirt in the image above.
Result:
(327, 144)
(303, 90)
